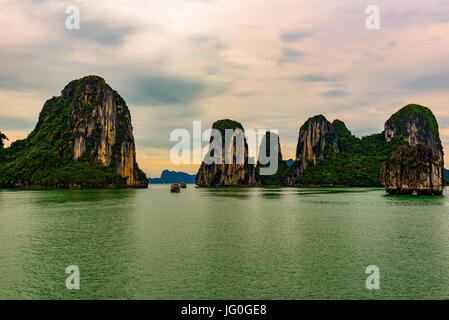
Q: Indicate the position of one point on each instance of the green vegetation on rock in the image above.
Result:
(425, 119)
(277, 179)
(222, 125)
(45, 158)
(357, 164)
(317, 118)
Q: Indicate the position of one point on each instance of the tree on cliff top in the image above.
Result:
(2, 137)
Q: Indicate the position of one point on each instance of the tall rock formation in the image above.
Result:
(414, 169)
(100, 123)
(278, 178)
(84, 138)
(418, 166)
(221, 173)
(317, 141)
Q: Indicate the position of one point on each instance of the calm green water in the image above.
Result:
(259, 243)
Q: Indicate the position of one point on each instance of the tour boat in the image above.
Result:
(175, 187)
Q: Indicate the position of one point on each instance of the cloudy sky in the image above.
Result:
(265, 63)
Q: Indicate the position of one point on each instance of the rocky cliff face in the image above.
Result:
(317, 140)
(100, 124)
(83, 139)
(414, 169)
(419, 165)
(222, 174)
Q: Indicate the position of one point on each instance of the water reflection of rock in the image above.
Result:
(271, 193)
(238, 193)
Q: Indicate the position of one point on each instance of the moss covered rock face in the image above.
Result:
(414, 124)
(414, 169)
(83, 138)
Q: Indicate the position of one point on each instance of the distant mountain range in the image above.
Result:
(168, 177)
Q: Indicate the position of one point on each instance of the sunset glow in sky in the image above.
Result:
(265, 63)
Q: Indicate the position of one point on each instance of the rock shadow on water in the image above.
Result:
(319, 191)
(226, 192)
(272, 193)
(414, 200)
(83, 195)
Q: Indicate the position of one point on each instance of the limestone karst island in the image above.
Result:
(84, 139)
(407, 157)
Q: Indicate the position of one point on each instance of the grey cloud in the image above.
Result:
(24, 70)
(415, 14)
(315, 77)
(14, 123)
(206, 40)
(101, 33)
(289, 55)
(335, 93)
(23, 66)
(245, 94)
(440, 13)
(213, 70)
(294, 36)
(438, 81)
(166, 90)
(155, 131)
(392, 43)
(441, 17)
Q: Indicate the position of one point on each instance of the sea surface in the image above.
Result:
(225, 243)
